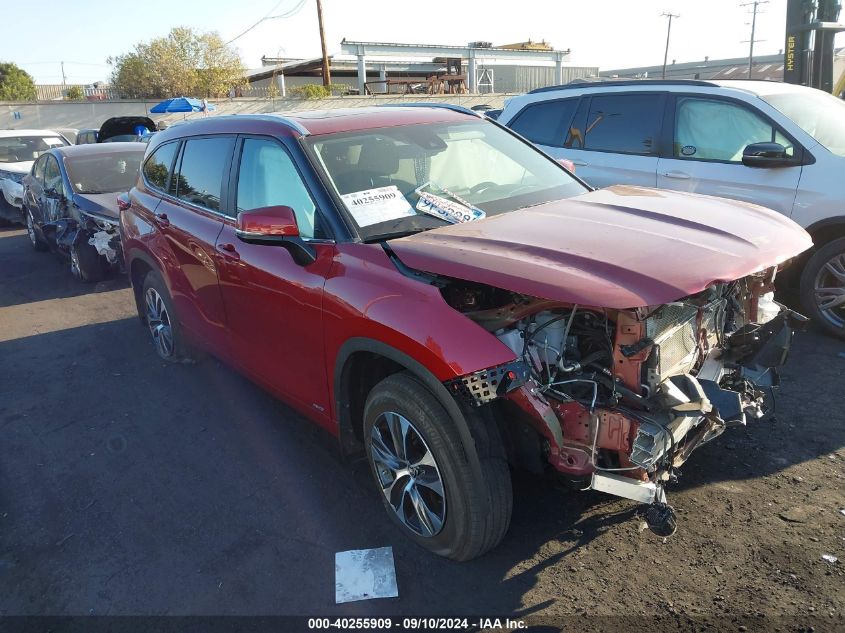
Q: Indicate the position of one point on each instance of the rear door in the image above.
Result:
(546, 124)
(614, 138)
(35, 189)
(190, 218)
(705, 154)
(273, 304)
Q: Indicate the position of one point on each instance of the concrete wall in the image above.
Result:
(53, 114)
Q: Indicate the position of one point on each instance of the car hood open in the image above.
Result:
(119, 125)
(620, 247)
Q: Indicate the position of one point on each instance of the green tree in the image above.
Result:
(15, 84)
(185, 63)
(74, 93)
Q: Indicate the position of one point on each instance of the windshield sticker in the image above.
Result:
(382, 204)
(448, 210)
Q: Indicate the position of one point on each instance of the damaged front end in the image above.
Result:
(617, 400)
(94, 237)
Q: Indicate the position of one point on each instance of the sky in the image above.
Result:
(609, 34)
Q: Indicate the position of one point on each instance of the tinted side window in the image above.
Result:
(543, 123)
(201, 170)
(711, 129)
(267, 177)
(38, 170)
(53, 176)
(158, 165)
(627, 124)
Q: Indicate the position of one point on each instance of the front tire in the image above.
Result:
(425, 481)
(823, 287)
(85, 263)
(37, 242)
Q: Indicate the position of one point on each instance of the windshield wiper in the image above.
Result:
(380, 237)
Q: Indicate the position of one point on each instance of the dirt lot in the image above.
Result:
(132, 487)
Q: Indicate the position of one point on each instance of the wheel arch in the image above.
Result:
(822, 232)
(139, 263)
(360, 353)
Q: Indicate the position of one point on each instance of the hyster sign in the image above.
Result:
(796, 38)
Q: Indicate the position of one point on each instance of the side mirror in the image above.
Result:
(275, 226)
(766, 155)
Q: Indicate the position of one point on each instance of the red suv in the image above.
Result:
(451, 302)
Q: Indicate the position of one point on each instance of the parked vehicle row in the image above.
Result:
(774, 144)
(71, 207)
(18, 151)
(451, 302)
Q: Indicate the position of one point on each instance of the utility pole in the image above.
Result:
(668, 31)
(753, 28)
(327, 75)
(64, 78)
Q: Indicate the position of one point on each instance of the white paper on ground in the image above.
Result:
(363, 574)
(372, 206)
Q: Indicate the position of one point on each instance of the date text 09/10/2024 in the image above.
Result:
(411, 624)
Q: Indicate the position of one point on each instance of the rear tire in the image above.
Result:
(823, 286)
(471, 516)
(162, 321)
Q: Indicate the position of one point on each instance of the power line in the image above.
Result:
(286, 14)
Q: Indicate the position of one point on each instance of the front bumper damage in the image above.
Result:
(87, 230)
(655, 436)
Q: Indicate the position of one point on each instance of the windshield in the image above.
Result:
(104, 173)
(819, 114)
(22, 149)
(400, 180)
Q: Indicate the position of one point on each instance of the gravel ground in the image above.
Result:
(132, 487)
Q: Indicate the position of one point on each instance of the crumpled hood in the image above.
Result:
(620, 247)
(104, 204)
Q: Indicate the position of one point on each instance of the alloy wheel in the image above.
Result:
(30, 230)
(74, 264)
(158, 320)
(829, 290)
(408, 474)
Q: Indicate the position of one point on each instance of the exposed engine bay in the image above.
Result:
(621, 398)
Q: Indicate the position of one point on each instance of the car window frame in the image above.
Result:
(40, 180)
(562, 125)
(147, 184)
(225, 177)
(800, 154)
(234, 174)
(64, 191)
(657, 149)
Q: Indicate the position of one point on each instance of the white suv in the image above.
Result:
(777, 145)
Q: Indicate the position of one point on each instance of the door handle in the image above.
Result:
(228, 250)
(161, 220)
(580, 163)
(678, 175)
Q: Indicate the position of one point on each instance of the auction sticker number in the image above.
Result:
(382, 204)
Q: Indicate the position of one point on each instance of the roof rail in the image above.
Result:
(423, 104)
(624, 82)
(281, 117)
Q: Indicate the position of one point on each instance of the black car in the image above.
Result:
(125, 128)
(71, 207)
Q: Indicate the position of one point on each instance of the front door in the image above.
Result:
(709, 136)
(273, 304)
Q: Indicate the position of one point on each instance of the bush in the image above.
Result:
(316, 91)
(74, 93)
